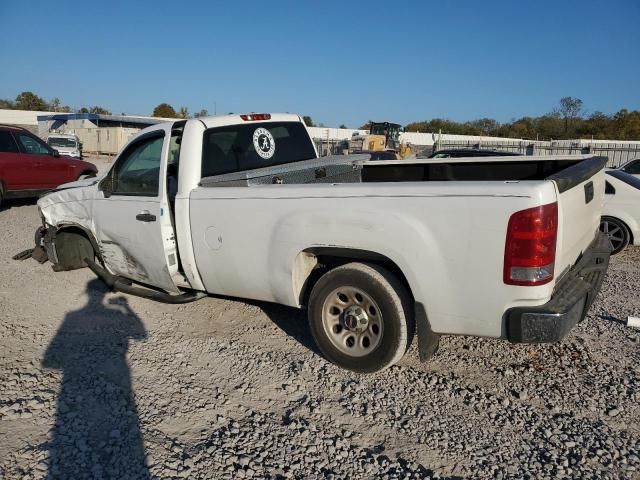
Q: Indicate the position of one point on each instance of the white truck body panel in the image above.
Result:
(577, 221)
(247, 241)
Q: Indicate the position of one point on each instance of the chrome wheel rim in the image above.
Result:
(614, 233)
(352, 321)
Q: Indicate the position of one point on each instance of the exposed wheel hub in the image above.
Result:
(614, 233)
(355, 319)
(352, 321)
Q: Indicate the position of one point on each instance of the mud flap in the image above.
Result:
(38, 254)
(428, 341)
(23, 255)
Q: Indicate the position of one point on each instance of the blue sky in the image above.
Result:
(337, 61)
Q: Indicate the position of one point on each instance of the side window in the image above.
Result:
(609, 189)
(7, 143)
(32, 145)
(633, 167)
(138, 170)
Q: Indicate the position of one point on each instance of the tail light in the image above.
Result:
(530, 248)
(255, 116)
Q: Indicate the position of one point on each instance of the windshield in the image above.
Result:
(237, 148)
(632, 167)
(62, 142)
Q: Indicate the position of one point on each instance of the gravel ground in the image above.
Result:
(101, 385)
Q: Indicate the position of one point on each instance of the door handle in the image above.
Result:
(145, 217)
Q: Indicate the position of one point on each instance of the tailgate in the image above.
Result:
(580, 200)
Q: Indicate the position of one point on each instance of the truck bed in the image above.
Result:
(442, 222)
(472, 169)
(358, 169)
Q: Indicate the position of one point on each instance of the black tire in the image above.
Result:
(617, 232)
(381, 289)
(72, 248)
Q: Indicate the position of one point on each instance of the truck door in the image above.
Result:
(132, 217)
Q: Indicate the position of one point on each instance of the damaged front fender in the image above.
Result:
(68, 247)
(66, 236)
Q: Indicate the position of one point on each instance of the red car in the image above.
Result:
(28, 166)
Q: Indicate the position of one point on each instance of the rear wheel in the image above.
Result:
(616, 231)
(361, 317)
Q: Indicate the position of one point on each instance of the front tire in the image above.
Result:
(617, 232)
(361, 317)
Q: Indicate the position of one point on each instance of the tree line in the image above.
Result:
(167, 111)
(30, 101)
(566, 121)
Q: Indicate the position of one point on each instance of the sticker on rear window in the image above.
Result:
(264, 143)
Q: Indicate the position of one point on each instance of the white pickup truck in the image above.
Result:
(241, 206)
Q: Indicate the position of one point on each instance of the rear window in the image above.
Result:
(254, 145)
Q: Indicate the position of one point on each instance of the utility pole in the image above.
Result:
(327, 142)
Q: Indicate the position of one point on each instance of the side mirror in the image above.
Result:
(56, 153)
(106, 186)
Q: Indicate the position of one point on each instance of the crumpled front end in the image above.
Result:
(69, 203)
(65, 212)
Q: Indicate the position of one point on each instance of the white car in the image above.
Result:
(632, 167)
(66, 144)
(621, 212)
(240, 205)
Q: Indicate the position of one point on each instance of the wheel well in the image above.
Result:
(328, 258)
(87, 172)
(78, 243)
(631, 242)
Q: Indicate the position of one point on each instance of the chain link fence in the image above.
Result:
(618, 153)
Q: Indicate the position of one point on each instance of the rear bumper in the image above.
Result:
(569, 304)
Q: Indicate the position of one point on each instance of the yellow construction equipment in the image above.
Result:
(382, 137)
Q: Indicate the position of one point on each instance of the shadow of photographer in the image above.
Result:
(96, 432)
